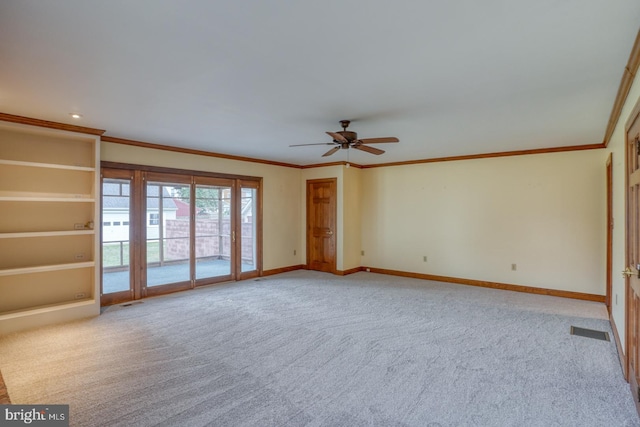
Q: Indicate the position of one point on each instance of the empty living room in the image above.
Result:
(319, 214)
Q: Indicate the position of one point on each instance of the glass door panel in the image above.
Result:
(168, 231)
(214, 238)
(116, 237)
(248, 204)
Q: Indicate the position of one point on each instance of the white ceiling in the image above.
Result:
(251, 77)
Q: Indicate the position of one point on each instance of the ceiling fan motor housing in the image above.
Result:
(348, 135)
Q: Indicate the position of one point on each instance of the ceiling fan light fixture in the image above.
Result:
(345, 139)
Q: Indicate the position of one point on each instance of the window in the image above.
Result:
(106, 223)
(154, 219)
(125, 222)
(116, 223)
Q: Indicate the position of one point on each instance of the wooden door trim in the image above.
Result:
(627, 305)
(630, 374)
(609, 277)
(310, 182)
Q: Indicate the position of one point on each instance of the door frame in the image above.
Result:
(631, 307)
(609, 277)
(334, 236)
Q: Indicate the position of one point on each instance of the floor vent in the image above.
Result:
(129, 304)
(590, 333)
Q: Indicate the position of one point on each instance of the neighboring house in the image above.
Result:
(182, 208)
(115, 213)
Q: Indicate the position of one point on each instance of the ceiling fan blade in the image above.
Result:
(367, 149)
(379, 140)
(318, 143)
(330, 152)
(338, 137)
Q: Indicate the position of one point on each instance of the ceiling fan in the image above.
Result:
(346, 139)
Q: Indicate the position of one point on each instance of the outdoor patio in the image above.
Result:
(116, 281)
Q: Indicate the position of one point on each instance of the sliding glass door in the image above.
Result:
(168, 233)
(164, 232)
(213, 230)
(248, 229)
(116, 283)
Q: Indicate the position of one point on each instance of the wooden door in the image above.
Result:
(632, 271)
(321, 224)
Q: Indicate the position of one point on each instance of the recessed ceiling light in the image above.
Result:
(75, 115)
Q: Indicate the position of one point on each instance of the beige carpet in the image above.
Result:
(307, 348)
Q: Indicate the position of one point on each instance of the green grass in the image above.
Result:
(112, 257)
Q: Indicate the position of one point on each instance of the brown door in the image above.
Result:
(632, 271)
(321, 224)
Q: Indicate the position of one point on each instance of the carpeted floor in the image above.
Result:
(307, 348)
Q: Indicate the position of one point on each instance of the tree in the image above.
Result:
(207, 199)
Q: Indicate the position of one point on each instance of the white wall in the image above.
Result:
(281, 193)
(471, 218)
(617, 147)
(474, 218)
(353, 213)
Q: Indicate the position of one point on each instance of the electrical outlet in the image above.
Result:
(80, 295)
(514, 267)
(362, 253)
(424, 258)
(294, 252)
(79, 257)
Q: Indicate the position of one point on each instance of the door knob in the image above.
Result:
(329, 232)
(627, 273)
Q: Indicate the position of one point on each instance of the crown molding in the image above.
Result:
(192, 151)
(629, 74)
(490, 155)
(48, 124)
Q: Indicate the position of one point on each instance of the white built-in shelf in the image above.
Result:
(49, 262)
(43, 199)
(46, 165)
(46, 308)
(45, 234)
(15, 196)
(45, 268)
